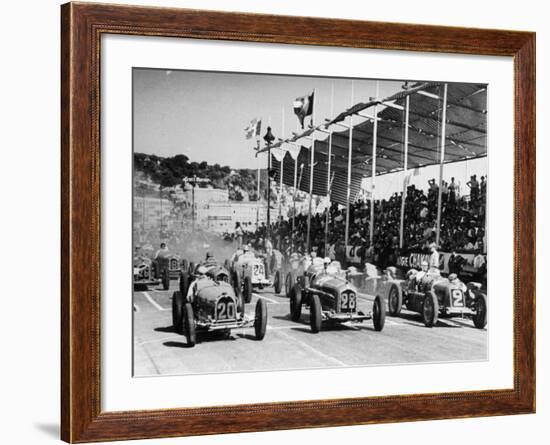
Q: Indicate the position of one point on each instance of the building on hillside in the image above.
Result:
(221, 217)
(151, 212)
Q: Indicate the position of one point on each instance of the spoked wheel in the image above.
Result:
(480, 317)
(177, 312)
(315, 313)
(430, 309)
(295, 303)
(247, 290)
(395, 300)
(378, 314)
(277, 282)
(260, 320)
(189, 325)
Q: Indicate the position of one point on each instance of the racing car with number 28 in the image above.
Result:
(330, 298)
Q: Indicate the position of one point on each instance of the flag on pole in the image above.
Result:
(303, 106)
(253, 129)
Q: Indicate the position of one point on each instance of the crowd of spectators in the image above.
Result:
(462, 225)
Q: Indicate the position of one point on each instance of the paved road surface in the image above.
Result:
(288, 345)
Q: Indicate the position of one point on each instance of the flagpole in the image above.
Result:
(258, 133)
(441, 162)
(405, 166)
(294, 198)
(268, 232)
(329, 179)
(281, 169)
(258, 191)
(312, 160)
(348, 189)
(373, 174)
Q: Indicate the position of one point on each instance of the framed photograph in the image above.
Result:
(275, 222)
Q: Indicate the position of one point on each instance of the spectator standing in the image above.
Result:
(474, 189)
(239, 234)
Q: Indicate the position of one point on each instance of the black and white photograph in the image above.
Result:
(286, 222)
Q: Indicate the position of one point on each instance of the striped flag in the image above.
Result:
(303, 106)
(253, 130)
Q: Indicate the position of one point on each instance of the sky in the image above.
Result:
(203, 114)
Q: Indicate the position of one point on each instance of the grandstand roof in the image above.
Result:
(465, 134)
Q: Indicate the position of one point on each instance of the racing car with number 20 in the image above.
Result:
(214, 306)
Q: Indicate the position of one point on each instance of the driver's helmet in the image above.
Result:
(318, 261)
(201, 271)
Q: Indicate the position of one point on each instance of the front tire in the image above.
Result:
(166, 279)
(315, 313)
(260, 320)
(378, 314)
(247, 290)
(277, 282)
(395, 300)
(189, 325)
(296, 303)
(480, 317)
(185, 280)
(290, 281)
(177, 312)
(430, 309)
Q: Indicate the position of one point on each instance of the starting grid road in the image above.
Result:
(289, 345)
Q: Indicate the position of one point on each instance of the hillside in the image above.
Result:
(168, 172)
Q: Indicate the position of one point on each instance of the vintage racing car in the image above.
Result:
(149, 272)
(248, 273)
(214, 306)
(434, 296)
(324, 288)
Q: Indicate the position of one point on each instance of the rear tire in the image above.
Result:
(480, 317)
(247, 290)
(260, 320)
(430, 309)
(378, 314)
(177, 312)
(395, 300)
(189, 325)
(296, 303)
(315, 313)
(277, 282)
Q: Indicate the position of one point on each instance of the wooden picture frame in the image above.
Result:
(82, 26)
